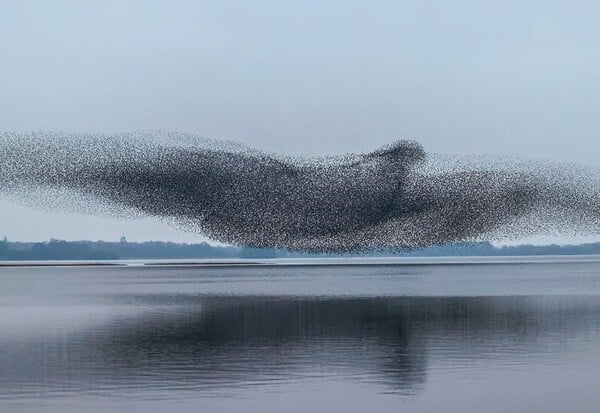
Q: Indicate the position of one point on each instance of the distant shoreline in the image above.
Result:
(314, 262)
(102, 251)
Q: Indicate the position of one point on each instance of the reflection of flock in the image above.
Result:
(394, 197)
(195, 342)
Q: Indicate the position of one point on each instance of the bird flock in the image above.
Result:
(395, 197)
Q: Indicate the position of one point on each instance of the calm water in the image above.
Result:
(460, 338)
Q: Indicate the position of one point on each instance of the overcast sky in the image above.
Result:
(301, 77)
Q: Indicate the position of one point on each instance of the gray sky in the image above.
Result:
(310, 77)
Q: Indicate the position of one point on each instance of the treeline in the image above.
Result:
(101, 250)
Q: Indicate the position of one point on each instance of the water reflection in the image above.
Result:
(188, 345)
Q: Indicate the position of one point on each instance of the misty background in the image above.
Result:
(304, 78)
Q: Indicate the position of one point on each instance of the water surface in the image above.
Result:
(494, 337)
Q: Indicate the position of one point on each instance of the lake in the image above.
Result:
(465, 335)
